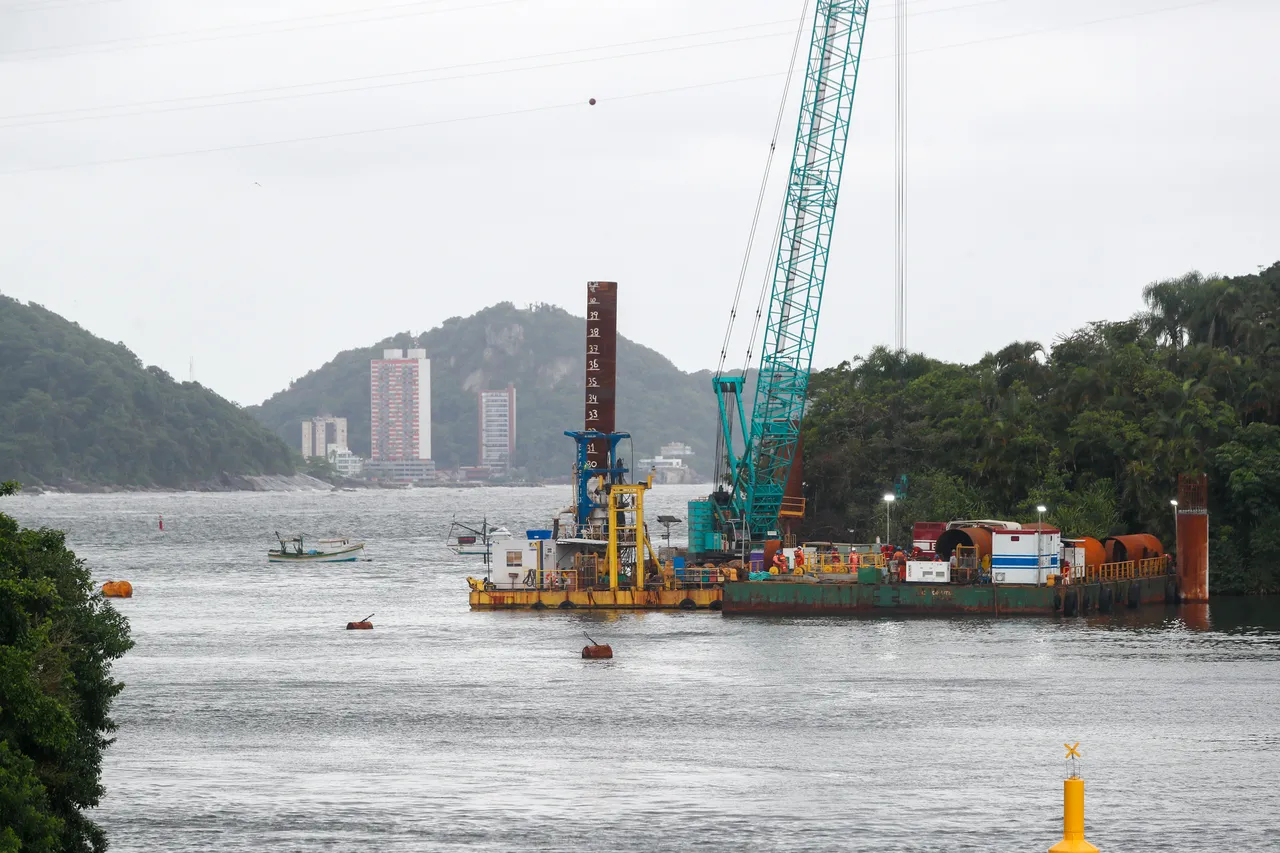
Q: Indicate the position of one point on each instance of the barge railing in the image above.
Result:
(1128, 570)
(833, 563)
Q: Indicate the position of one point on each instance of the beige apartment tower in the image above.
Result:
(497, 429)
(321, 434)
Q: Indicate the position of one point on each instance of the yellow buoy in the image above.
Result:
(1073, 810)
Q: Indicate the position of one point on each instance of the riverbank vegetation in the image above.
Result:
(57, 641)
(76, 410)
(1097, 428)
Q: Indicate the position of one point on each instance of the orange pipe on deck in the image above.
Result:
(978, 537)
(1094, 553)
(1135, 546)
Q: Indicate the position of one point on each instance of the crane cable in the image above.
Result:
(755, 223)
(900, 176)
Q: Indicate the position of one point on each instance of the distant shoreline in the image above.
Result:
(277, 484)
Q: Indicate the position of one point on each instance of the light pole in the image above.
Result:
(1040, 511)
(889, 498)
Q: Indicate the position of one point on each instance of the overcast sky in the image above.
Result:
(1056, 166)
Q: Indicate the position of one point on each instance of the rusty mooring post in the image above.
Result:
(1193, 538)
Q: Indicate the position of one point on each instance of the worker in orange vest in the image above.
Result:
(900, 560)
(779, 563)
(798, 560)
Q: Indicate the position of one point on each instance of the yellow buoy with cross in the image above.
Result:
(1073, 809)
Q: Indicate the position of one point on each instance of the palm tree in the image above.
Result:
(1169, 306)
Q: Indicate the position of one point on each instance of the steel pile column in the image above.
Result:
(602, 367)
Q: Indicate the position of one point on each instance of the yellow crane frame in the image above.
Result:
(628, 530)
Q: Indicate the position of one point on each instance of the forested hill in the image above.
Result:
(75, 409)
(539, 350)
(1097, 428)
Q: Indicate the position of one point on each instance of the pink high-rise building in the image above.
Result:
(400, 406)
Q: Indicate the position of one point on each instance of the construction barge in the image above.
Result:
(819, 598)
(994, 568)
(742, 555)
(597, 555)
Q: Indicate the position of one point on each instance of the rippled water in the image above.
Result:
(253, 721)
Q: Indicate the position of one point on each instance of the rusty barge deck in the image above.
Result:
(800, 598)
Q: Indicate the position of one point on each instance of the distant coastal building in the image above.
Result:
(322, 433)
(675, 450)
(497, 429)
(400, 470)
(400, 416)
(670, 465)
(346, 463)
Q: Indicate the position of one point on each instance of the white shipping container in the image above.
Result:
(1025, 556)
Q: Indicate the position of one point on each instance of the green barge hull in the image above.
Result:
(792, 598)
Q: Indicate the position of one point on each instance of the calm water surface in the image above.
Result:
(253, 721)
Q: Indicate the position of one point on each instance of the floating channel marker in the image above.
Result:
(1073, 809)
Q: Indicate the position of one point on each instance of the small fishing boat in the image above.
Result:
(299, 550)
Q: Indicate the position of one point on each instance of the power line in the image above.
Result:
(1073, 26)
(111, 45)
(53, 6)
(262, 28)
(560, 106)
(58, 117)
(65, 116)
(373, 130)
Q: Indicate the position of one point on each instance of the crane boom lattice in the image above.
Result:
(760, 474)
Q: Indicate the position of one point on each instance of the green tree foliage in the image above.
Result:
(321, 469)
(1098, 429)
(75, 409)
(57, 641)
(540, 350)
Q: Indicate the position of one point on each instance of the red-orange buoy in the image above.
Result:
(596, 650)
(363, 625)
(117, 589)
